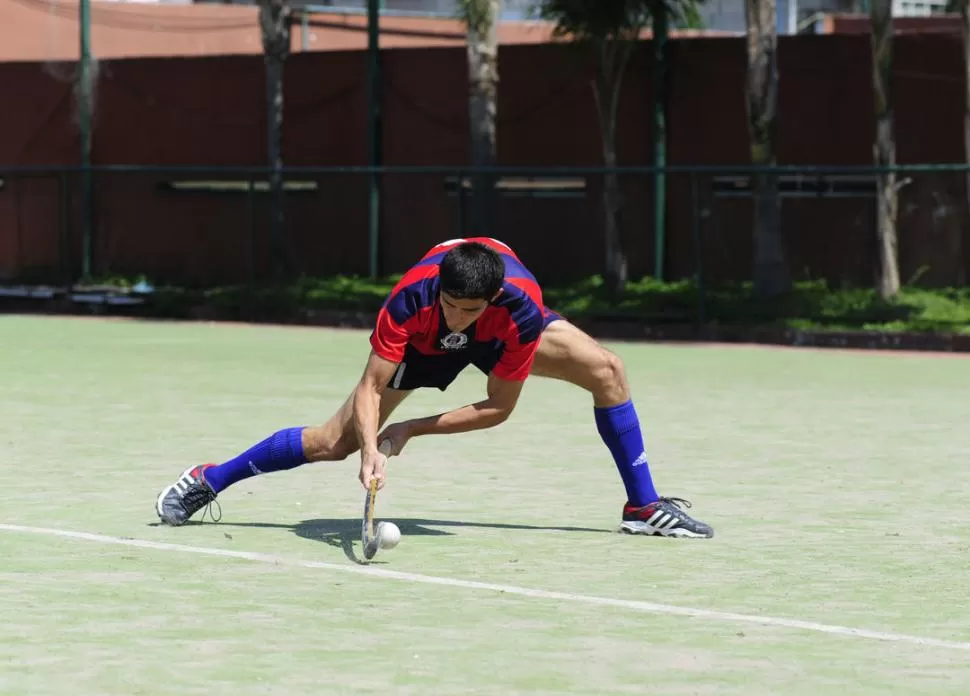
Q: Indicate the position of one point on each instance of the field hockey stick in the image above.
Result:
(368, 539)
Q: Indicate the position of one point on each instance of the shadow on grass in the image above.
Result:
(343, 533)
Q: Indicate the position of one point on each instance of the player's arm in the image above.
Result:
(367, 401)
(388, 343)
(503, 394)
(504, 385)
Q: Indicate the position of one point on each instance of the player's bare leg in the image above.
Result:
(335, 440)
(569, 354)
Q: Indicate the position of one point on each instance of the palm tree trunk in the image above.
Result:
(884, 150)
(771, 276)
(612, 57)
(274, 23)
(616, 265)
(481, 17)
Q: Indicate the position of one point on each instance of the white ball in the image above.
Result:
(389, 534)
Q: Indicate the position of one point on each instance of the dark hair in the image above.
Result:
(472, 271)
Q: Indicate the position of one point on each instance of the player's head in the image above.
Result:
(471, 277)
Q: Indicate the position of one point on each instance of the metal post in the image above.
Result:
(251, 213)
(374, 141)
(84, 95)
(462, 207)
(698, 239)
(65, 273)
(660, 31)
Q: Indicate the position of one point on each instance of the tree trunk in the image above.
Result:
(611, 58)
(616, 266)
(884, 150)
(482, 22)
(771, 276)
(275, 27)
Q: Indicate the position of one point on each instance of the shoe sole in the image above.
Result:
(645, 529)
(161, 497)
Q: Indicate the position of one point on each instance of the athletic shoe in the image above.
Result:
(664, 517)
(189, 494)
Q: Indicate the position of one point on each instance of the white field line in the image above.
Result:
(560, 597)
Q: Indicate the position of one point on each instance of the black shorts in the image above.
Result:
(418, 370)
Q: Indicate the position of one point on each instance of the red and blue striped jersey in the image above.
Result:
(412, 316)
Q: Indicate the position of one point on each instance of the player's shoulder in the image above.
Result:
(520, 310)
(520, 292)
(416, 290)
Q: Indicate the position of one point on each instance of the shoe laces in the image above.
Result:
(199, 496)
(210, 506)
(675, 506)
(676, 502)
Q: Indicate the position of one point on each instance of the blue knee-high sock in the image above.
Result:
(280, 451)
(620, 429)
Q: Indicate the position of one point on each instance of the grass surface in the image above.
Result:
(835, 482)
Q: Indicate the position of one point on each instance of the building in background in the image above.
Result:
(794, 16)
(722, 16)
(47, 30)
(511, 9)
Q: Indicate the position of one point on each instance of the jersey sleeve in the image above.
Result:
(521, 343)
(400, 317)
(389, 338)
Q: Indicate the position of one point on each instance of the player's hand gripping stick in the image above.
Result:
(386, 535)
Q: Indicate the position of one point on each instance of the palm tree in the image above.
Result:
(481, 20)
(611, 29)
(771, 276)
(881, 18)
(274, 22)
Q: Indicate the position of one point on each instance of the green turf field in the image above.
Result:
(837, 483)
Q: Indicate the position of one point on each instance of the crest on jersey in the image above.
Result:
(454, 341)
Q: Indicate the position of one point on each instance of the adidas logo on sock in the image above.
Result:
(639, 461)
